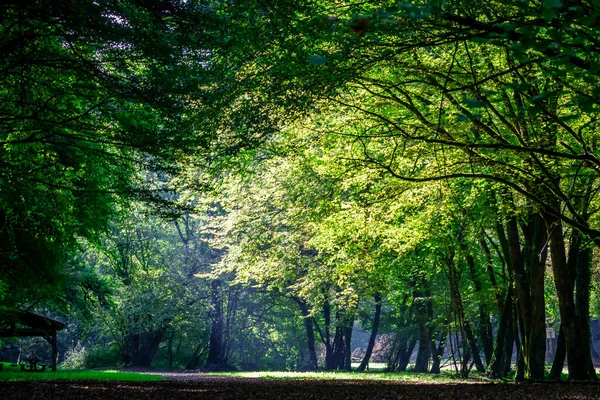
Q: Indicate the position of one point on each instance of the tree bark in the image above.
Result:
(521, 280)
(141, 348)
(347, 356)
(456, 300)
(310, 334)
(582, 299)
(215, 347)
(407, 353)
(559, 356)
(438, 353)
(196, 356)
(536, 345)
(498, 366)
(578, 350)
(491, 274)
(422, 300)
(373, 337)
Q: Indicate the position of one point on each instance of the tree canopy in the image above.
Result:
(253, 180)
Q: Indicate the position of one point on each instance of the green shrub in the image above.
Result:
(81, 357)
(75, 358)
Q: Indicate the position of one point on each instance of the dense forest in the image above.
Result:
(250, 185)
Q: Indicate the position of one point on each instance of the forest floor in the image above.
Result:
(205, 386)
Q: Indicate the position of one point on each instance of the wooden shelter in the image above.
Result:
(28, 323)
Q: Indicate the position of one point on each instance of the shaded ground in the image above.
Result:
(199, 386)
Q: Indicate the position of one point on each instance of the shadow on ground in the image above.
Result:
(203, 387)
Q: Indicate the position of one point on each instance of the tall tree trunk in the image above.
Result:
(329, 353)
(559, 356)
(505, 339)
(578, 350)
(536, 344)
(373, 337)
(147, 348)
(438, 353)
(521, 280)
(578, 265)
(338, 349)
(454, 277)
(215, 347)
(520, 375)
(422, 299)
(582, 299)
(507, 331)
(170, 349)
(131, 348)
(347, 357)
(407, 353)
(510, 343)
(310, 334)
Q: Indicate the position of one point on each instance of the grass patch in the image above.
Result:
(10, 373)
(387, 376)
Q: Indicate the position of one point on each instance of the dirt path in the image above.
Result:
(200, 386)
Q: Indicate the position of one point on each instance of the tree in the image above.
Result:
(463, 102)
(92, 93)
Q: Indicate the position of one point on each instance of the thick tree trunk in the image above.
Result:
(473, 347)
(438, 353)
(423, 353)
(405, 355)
(578, 350)
(559, 356)
(422, 300)
(310, 334)
(505, 339)
(141, 348)
(338, 353)
(520, 375)
(373, 337)
(536, 345)
(528, 266)
(521, 281)
(338, 349)
(131, 347)
(582, 299)
(507, 332)
(341, 352)
(347, 356)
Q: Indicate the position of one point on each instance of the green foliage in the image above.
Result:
(351, 150)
